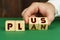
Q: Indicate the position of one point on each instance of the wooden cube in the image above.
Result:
(20, 25)
(43, 27)
(10, 25)
(43, 23)
(33, 23)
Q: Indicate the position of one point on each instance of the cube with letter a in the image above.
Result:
(33, 23)
(10, 25)
(43, 23)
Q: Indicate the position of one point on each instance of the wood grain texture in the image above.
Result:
(13, 8)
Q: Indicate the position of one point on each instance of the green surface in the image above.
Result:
(53, 33)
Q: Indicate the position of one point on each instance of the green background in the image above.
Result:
(53, 33)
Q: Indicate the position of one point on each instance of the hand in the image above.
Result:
(46, 9)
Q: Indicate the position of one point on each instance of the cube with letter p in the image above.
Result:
(10, 25)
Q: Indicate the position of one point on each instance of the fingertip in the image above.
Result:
(26, 20)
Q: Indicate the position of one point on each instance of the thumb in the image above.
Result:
(50, 19)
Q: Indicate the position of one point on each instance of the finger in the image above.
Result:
(29, 12)
(32, 9)
(23, 15)
(24, 12)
